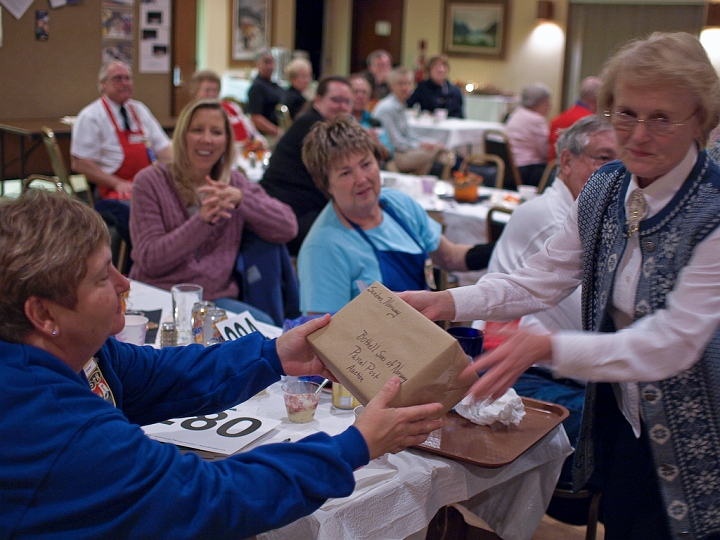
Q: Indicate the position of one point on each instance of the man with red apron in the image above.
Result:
(137, 152)
(115, 137)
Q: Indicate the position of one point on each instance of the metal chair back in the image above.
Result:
(548, 174)
(486, 159)
(58, 165)
(495, 226)
(496, 143)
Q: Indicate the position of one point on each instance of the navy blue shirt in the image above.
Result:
(432, 96)
(263, 96)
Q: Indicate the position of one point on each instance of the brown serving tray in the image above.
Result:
(495, 446)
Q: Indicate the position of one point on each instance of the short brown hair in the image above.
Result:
(324, 84)
(200, 77)
(437, 59)
(666, 60)
(45, 241)
(329, 141)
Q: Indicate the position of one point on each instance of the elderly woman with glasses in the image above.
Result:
(75, 462)
(643, 240)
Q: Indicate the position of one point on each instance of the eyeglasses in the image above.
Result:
(337, 100)
(599, 161)
(657, 125)
(120, 78)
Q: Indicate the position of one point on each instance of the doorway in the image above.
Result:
(309, 15)
(377, 24)
(184, 60)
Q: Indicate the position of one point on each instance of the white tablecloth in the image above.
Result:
(398, 495)
(454, 132)
(493, 108)
(464, 223)
(253, 172)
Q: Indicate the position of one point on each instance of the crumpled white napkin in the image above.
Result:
(508, 409)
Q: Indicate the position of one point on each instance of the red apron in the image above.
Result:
(236, 122)
(134, 149)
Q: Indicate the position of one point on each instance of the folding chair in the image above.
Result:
(496, 142)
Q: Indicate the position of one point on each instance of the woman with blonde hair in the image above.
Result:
(643, 239)
(205, 84)
(188, 218)
(299, 73)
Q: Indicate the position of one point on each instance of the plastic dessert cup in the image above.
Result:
(301, 401)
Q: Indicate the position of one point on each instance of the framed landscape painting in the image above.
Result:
(476, 28)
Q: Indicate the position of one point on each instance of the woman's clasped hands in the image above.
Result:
(218, 200)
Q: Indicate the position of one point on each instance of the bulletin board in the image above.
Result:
(58, 77)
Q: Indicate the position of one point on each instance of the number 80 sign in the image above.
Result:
(222, 433)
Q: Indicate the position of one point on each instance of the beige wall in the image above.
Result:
(215, 29)
(529, 58)
(525, 62)
(535, 52)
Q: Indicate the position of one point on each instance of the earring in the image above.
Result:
(54, 333)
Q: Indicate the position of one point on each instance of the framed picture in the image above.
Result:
(476, 28)
(250, 31)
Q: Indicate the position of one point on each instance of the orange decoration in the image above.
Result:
(466, 186)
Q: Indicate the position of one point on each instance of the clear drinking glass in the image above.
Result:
(184, 296)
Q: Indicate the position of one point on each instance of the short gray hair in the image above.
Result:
(102, 74)
(398, 73)
(534, 94)
(576, 137)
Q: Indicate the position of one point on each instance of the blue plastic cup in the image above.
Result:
(470, 339)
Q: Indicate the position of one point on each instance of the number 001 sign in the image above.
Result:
(243, 324)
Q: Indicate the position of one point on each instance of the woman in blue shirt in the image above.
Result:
(76, 463)
(366, 233)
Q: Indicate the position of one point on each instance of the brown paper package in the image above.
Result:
(378, 335)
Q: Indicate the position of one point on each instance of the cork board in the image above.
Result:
(58, 77)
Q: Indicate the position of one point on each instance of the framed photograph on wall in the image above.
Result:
(250, 30)
(476, 28)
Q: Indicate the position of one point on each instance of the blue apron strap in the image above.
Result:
(400, 271)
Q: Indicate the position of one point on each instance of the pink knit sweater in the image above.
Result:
(170, 246)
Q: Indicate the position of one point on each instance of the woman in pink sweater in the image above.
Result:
(187, 218)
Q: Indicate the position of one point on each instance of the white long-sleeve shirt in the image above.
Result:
(655, 347)
(530, 226)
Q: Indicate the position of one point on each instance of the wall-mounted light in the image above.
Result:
(546, 10)
(710, 35)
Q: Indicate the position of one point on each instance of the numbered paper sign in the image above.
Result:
(222, 433)
(244, 324)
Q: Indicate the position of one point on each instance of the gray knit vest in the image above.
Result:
(682, 413)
